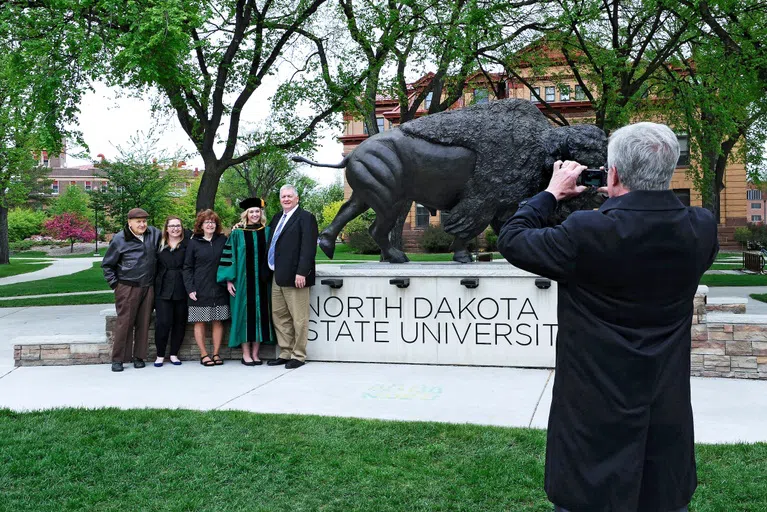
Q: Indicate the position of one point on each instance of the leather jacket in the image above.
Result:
(129, 260)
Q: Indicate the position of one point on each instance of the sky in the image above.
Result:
(109, 119)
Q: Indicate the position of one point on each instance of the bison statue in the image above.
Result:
(474, 164)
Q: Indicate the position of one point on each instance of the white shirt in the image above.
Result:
(284, 221)
(140, 237)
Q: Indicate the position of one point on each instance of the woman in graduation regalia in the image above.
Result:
(244, 269)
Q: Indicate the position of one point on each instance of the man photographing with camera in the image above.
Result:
(620, 434)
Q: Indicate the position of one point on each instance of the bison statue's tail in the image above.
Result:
(297, 158)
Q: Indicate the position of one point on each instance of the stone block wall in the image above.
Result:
(725, 343)
(64, 354)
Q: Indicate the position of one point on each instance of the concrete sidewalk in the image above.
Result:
(726, 410)
(59, 267)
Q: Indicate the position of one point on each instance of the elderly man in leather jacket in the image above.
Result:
(129, 266)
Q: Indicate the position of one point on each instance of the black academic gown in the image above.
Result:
(620, 434)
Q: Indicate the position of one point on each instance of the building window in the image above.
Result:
(756, 205)
(564, 93)
(754, 195)
(55, 188)
(103, 186)
(580, 95)
(533, 92)
(481, 96)
(46, 163)
(551, 94)
(421, 216)
(88, 186)
(756, 218)
(380, 122)
(684, 151)
(427, 101)
(683, 194)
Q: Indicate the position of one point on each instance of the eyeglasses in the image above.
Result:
(210, 222)
(174, 226)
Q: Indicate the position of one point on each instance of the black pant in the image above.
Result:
(170, 319)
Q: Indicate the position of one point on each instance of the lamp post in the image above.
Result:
(96, 227)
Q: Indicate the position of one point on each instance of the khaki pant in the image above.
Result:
(134, 312)
(290, 314)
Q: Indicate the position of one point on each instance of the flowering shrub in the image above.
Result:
(71, 227)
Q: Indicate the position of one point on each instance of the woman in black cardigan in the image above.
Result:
(169, 292)
(208, 300)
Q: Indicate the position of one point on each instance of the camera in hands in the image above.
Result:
(593, 178)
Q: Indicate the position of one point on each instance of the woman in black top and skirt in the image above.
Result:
(169, 293)
(208, 300)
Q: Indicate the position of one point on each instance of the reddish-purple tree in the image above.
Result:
(68, 226)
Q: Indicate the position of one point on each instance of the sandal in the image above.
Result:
(209, 361)
(217, 360)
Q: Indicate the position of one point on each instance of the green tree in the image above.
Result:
(315, 201)
(23, 223)
(258, 177)
(210, 60)
(615, 50)
(140, 177)
(721, 104)
(73, 200)
(43, 68)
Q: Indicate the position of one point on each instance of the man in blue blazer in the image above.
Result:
(292, 249)
(620, 434)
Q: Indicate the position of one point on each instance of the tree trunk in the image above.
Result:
(206, 196)
(710, 197)
(4, 249)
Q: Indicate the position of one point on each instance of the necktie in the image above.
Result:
(270, 255)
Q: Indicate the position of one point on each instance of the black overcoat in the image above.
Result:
(169, 278)
(295, 248)
(620, 434)
(200, 266)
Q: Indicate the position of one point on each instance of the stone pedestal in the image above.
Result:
(433, 313)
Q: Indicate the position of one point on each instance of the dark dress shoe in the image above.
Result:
(277, 362)
(117, 366)
(257, 363)
(247, 363)
(138, 363)
(294, 363)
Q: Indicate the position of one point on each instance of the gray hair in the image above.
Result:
(644, 154)
(288, 187)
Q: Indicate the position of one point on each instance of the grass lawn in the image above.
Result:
(111, 460)
(759, 296)
(730, 280)
(43, 254)
(16, 267)
(84, 281)
(727, 266)
(68, 300)
(30, 254)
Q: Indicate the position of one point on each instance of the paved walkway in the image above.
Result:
(754, 307)
(726, 410)
(59, 267)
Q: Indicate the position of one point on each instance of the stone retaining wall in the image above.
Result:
(725, 343)
(33, 353)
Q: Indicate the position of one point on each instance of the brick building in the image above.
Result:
(756, 204)
(87, 176)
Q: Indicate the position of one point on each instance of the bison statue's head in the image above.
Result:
(583, 143)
